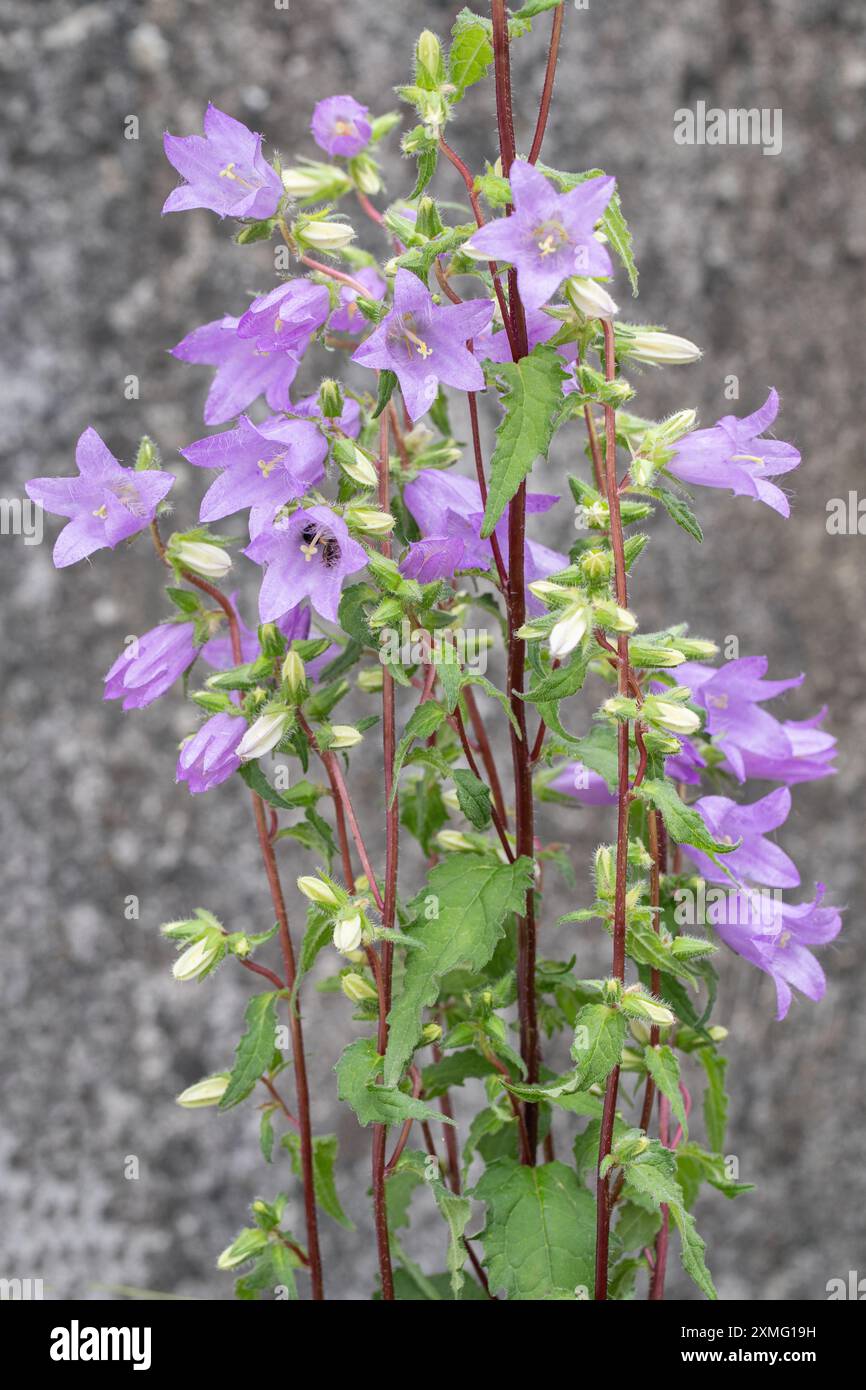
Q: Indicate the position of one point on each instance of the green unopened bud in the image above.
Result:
(431, 1033)
(717, 1033)
(647, 656)
(629, 1147)
(590, 298)
(610, 615)
(331, 399)
(201, 557)
(595, 564)
(348, 933)
(675, 717)
(639, 1005)
(604, 871)
(429, 55)
(696, 648)
(247, 1245)
(321, 182)
(147, 456)
(642, 471)
(344, 736)
(658, 349)
(371, 680)
(428, 222)
(611, 991)
(294, 675)
(322, 235)
(318, 891)
(356, 988)
(370, 520)
(241, 946)
(640, 1031)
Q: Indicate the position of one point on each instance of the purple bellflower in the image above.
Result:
(687, 765)
(306, 555)
(286, 318)
(105, 504)
(348, 317)
(210, 756)
(549, 236)
(448, 509)
(244, 371)
(425, 344)
(732, 455)
(757, 860)
(147, 667)
(751, 737)
(224, 169)
(340, 125)
(263, 466)
(775, 936)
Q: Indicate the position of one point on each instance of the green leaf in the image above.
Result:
(352, 617)
(534, 7)
(715, 1097)
(664, 1069)
(539, 1236)
(562, 1091)
(422, 810)
(455, 1208)
(448, 669)
(652, 1174)
(598, 752)
(567, 680)
(470, 57)
(599, 1034)
(373, 1104)
(422, 722)
(613, 223)
(473, 797)
(452, 1070)
(387, 383)
(683, 824)
(680, 512)
(274, 1269)
(531, 392)
(458, 918)
(637, 1227)
(255, 1050)
(266, 1133)
(324, 1159)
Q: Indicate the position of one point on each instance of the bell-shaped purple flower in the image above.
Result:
(732, 455)
(224, 169)
(775, 936)
(149, 665)
(425, 344)
(687, 765)
(263, 466)
(285, 319)
(756, 860)
(210, 756)
(448, 509)
(105, 504)
(755, 743)
(306, 555)
(549, 236)
(244, 371)
(341, 125)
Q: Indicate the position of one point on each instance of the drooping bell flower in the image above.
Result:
(210, 756)
(341, 125)
(757, 860)
(244, 372)
(224, 170)
(733, 456)
(306, 555)
(149, 665)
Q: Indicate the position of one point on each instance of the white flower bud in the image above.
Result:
(453, 840)
(248, 1244)
(316, 181)
(202, 558)
(294, 674)
(371, 680)
(591, 298)
(263, 735)
(660, 349)
(210, 1091)
(348, 933)
(323, 236)
(199, 958)
(676, 717)
(318, 891)
(570, 631)
(370, 519)
(358, 467)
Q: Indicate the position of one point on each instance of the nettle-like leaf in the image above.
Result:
(539, 1236)
(473, 797)
(458, 919)
(454, 1208)
(531, 392)
(255, 1050)
(664, 1069)
(470, 56)
(715, 1097)
(324, 1161)
(613, 223)
(374, 1104)
(422, 722)
(682, 823)
(653, 1175)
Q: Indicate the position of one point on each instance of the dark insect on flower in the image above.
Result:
(328, 546)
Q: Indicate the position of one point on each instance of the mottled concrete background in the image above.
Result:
(759, 259)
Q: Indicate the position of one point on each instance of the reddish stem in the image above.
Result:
(549, 78)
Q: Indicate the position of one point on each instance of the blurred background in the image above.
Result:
(759, 259)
